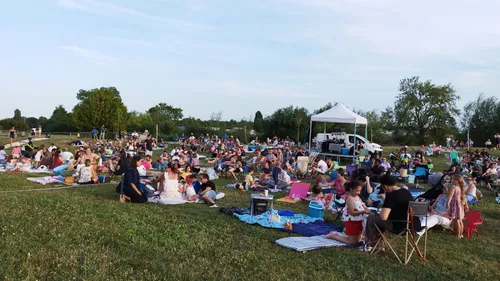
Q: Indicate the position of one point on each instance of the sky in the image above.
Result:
(240, 56)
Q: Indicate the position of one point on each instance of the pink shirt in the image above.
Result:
(16, 150)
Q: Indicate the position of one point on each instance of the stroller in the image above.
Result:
(437, 181)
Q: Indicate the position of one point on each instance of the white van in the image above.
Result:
(346, 140)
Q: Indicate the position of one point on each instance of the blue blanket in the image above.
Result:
(263, 220)
(314, 228)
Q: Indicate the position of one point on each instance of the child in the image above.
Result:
(249, 181)
(456, 203)
(86, 174)
(354, 214)
(16, 151)
(317, 196)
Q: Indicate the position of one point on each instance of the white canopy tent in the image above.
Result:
(339, 114)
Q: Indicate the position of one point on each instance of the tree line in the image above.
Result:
(422, 112)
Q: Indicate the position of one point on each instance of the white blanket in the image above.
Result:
(303, 244)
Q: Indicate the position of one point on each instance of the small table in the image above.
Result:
(260, 197)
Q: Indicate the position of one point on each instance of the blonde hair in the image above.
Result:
(461, 184)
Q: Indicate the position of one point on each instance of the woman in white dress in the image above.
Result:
(169, 183)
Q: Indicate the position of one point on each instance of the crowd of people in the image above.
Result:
(369, 184)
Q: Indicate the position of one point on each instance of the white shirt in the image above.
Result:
(322, 166)
(286, 177)
(51, 148)
(38, 156)
(3, 154)
(66, 155)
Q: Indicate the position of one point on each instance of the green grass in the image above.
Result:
(84, 233)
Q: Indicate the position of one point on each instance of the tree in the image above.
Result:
(258, 122)
(32, 122)
(287, 121)
(100, 107)
(423, 110)
(480, 117)
(60, 121)
(17, 115)
(139, 122)
(165, 116)
(42, 121)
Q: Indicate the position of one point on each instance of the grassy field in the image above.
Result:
(84, 233)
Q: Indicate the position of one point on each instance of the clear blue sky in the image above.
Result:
(240, 56)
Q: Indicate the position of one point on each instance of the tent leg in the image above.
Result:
(324, 130)
(366, 131)
(355, 146)
(310, 135)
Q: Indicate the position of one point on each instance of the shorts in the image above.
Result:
(353, 228)
(190, 191)
(212, 194)
(149, 152)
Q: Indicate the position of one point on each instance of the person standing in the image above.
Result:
(103, 132)
(40, 131)
(149, 145)
(497, 141)
(94, 134)
(12, 135)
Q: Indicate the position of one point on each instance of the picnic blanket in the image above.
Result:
(298, 190)
(416, 192)
(303, 244)
(263, 219)
(314, 228)
(176, 201)
(47, 180)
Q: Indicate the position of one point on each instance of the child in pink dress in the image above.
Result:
(457, 203)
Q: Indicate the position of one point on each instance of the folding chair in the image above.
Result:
(415, 209)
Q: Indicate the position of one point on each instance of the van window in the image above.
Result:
(351, 140)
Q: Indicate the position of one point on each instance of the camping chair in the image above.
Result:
(415, 209)
(350, 168)
(454, 158)
(302, 163)
(339, 206)
(421, 173)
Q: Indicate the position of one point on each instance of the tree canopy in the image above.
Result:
(100, 107)
(424, 111)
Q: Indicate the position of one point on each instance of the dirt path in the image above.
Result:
(24, 142)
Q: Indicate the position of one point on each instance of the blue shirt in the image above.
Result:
(94, 131)
(276, 173)
(196, 186)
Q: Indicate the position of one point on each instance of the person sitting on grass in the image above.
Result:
(353, 216)
(207, 191)
(190, 188)
(117, 166)
(250, 182)
(87, 174)
(132, 188)
(284, 180)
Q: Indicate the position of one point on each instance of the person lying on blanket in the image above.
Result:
(353, 216)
